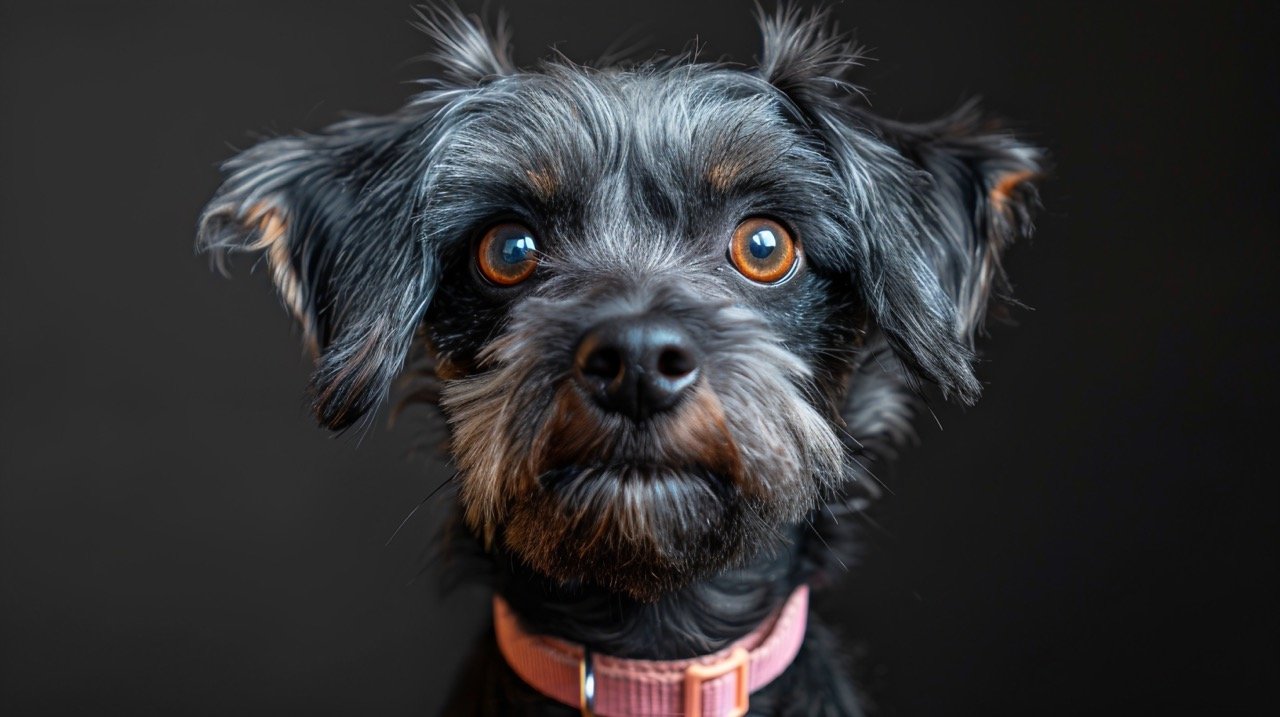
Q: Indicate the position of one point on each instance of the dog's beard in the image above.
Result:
(583, 495)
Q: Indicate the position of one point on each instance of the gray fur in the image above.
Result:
(633, 178)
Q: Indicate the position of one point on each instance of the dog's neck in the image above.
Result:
(698, 619)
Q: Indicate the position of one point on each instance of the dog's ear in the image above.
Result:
(981, 188)
(334, 216)
(339, 217)
(930, 207)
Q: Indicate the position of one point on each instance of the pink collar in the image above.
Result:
(715, 685)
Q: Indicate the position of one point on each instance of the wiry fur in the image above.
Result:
(674, 535)
(574, 489)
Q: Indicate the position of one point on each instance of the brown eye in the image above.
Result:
(762, 250)
(507, 254)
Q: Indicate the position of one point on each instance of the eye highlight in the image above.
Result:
(507, 254)
(762, 250)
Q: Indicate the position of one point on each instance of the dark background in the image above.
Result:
(176, 537)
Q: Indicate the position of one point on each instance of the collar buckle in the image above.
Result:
(696, 675)
(587, 684)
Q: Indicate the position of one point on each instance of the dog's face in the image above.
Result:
(648, 292)
(649, 343)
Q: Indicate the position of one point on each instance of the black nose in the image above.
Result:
(636, 366)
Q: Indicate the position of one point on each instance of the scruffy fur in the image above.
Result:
(671, 536)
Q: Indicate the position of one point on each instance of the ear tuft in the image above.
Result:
(251, 214)
(467, 51)
(334, 216)
(805, 55)
(984, 188)
(1007, 185)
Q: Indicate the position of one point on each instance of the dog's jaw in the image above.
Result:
(585, 496)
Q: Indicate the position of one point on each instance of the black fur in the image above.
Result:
(662, 539)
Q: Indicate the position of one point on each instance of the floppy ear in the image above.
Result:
(930, 207)
(338, 217)
(333, 215)
(982, 191)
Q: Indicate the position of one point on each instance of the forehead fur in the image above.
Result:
(671, 122)
(679, 148)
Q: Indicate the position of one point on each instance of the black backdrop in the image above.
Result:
(1097, 535)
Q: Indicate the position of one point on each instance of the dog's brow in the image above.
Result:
(722, 174)
(543, 181)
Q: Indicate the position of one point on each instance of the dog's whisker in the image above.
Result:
(414, 511)
(862, 514)
(867, 470)
(766, 525)
(845, 432)
(827, 545)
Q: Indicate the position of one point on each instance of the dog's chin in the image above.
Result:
(640, 530)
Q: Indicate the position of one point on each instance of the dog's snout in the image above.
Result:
(636, 366)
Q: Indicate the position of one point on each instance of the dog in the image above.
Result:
(673, 312)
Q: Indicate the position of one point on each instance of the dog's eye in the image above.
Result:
(762, 250)
(507, 254)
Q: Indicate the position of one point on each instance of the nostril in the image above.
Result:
(605, 363)
(636, 366)
(675, 362)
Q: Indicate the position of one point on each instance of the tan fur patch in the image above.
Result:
(271, 225)
(722, 174)
(1005, 186)
(273, 241)
(696, 434)
(544, 182)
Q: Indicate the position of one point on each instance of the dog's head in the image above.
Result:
(648, 291)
